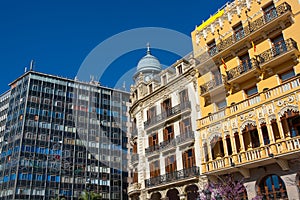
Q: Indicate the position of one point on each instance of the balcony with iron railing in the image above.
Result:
(168, 114)
(286, 149)
(167, 145)
(185, 138)
(281, 52)
(134, 188)
(170, 178)
(211, 85)
(170, 144)
(135, 159)
(152, 150)
(251, 30)
(243, 71)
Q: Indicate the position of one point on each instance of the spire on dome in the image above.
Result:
(148, 49)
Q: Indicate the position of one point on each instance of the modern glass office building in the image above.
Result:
(60, 137)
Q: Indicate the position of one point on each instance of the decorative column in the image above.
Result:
(209, 156)
(233, 146)
(242, 146)
(261, 139)
(225, 151)
(283, 136)
(272, 139)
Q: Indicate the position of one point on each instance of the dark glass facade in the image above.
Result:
(63, 137)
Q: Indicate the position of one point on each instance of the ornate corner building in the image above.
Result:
(249, 92)
(165, 161)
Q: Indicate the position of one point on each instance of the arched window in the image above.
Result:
(192, 192)
(272, 187)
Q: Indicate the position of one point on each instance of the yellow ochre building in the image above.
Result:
(249, 92)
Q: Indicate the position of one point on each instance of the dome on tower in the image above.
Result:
(148, 63)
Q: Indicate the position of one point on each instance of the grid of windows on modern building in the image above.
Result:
(60, 137)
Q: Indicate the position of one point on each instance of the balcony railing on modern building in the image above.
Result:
(173, 177)
(167, 114)
(279, 149)
(169, 144)
(280, 48)
(251, 27)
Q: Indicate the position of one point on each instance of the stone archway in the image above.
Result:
(272, 186)
(191, 192)
(172, 194)
(155, 196)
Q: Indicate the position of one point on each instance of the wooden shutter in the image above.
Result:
(165, 134)
(167, 165)
(181, 127)
(172, 133)
(184, 159)
(152, 170)
(150, 139)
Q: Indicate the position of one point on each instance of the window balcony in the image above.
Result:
(135, 159)
(134, 188)
(266, 22)
(152, 150)
(211, 86)
(176, 176)
(167, 115)
(167, 145)
(279, 53)
(243, 71)
(185, 138)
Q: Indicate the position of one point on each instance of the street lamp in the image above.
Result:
(88, 182)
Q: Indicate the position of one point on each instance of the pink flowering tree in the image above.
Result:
(228, 189)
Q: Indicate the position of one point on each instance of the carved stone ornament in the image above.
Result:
(245, 123)
(290, 107)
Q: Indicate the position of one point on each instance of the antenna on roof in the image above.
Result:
(148, 48)
(31, 65)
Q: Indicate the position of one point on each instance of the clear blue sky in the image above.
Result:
(58, 35)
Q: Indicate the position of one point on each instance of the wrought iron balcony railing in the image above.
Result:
(210, 85)
(280, 48)
(173, 176)
(134, 158)
(134, 187)
(244, 67)
(167, 144)
(185, 137)
(167, 114)
(152, 149)
(247, 30)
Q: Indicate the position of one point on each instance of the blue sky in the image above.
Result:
(59, 35)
